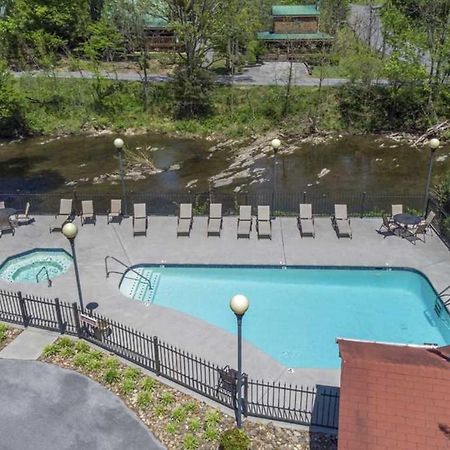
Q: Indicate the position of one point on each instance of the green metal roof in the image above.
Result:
(295, 10)
(154, 19)
(268, 36)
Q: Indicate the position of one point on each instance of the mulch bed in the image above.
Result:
(8, 334)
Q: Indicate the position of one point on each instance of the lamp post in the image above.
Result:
(70, 230)
(434, 144)
(239, 305)
(119, 144)
(276, 143)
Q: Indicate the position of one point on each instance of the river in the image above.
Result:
(348, 164)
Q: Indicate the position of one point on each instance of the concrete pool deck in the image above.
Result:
(94, 243)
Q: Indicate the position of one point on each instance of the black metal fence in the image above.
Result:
(441, 222)
(317, 406)
(166, 203)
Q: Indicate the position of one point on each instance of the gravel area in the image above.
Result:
(7, 334)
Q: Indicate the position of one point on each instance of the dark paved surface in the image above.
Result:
(44, 407)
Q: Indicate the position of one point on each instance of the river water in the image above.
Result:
(348, 164)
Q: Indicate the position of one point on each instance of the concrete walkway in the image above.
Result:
(29, 344)
(161, 246)
(44, 407)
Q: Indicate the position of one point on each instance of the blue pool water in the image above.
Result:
(296, 314)
(33, 266)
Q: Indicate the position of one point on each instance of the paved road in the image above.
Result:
(44, 407)
(270, 73)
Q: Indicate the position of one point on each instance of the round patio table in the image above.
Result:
(407, 219)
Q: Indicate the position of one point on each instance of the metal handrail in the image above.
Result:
(124, 265)
(444, 290)
(44, 269)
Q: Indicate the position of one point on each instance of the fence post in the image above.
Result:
(156, 353)
(59, 316)
(363, 198)
(23, 309)
(245, 396)
(76, 319)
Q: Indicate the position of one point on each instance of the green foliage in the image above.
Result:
(234, 439)
(131, 373)
(148, 384)
(144, 399)
(192, 92)
(172, 428)
(111, 375)
(112, 363)
(3, 330)
(212, 418)
(127, 386)
(166, 399)
(334, 15)
(211, 434)
(190, 442)
(82, 359)
(194, 425)
(190, 406)
(82, 346)
(178, 414)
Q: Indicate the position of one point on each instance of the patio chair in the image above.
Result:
(115, 212)
(431, 215)
(244, 221)
(6, 225)
(87, 212)
(140, 220)
(227, 381)
(22, 218)
(184, 220)
(215, 219)
(2, 205)
(64, 215)
(305, 220)
(414, 232)
(341, 222)
(396, 209)
(264, 223)
(389, 225)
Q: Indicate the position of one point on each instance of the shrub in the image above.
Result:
(112, 363)
(212, 418)
(144, 399)
(172, 428)
(194, 425)
(82, 346)
(148, 384)
(82, 359)
(111, 375)
(190, 442)
(50, 350)
(131, 373)
(234, 439)
(166, 398)
(211, 434)
(178, 414)
(127, 386)
(190, 406)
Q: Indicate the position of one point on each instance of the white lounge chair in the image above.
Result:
(264, 223)
(140, 220)
(306, 220)
(396, 209)
(215, 219)
(341, 222)
(22, 218)
(389, 225)
(87, 212)
(115, 212)
(244, 221)
(64, 215)
(184, 220)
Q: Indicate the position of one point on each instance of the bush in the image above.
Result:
(234, 439)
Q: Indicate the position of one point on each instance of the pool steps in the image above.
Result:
(137, 287)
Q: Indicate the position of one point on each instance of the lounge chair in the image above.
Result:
(64, 215)
(6, 225)
(215, 219)
(115, 212)
(341, 222)
(431, 215)
(2, 205)
(244, 221)
(264, 223)
(414, 232)
(184, 220)
(140, 220)
(87, 212)
(389, 225)
(396, 209)
(22, 218)
(306, 220)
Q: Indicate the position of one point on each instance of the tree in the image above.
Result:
(32, 29)
(197, 26)
(333, 15)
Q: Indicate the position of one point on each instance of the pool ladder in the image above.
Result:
(44, 269)
(443, 294)
(108, 272)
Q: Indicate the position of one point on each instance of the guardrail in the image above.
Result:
(314, 406)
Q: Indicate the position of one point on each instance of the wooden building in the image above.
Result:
(160, 36)
(295, 30)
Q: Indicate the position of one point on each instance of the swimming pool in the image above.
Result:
(34, 265)
(296, 314)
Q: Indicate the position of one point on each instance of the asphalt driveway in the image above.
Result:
(44, 407)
